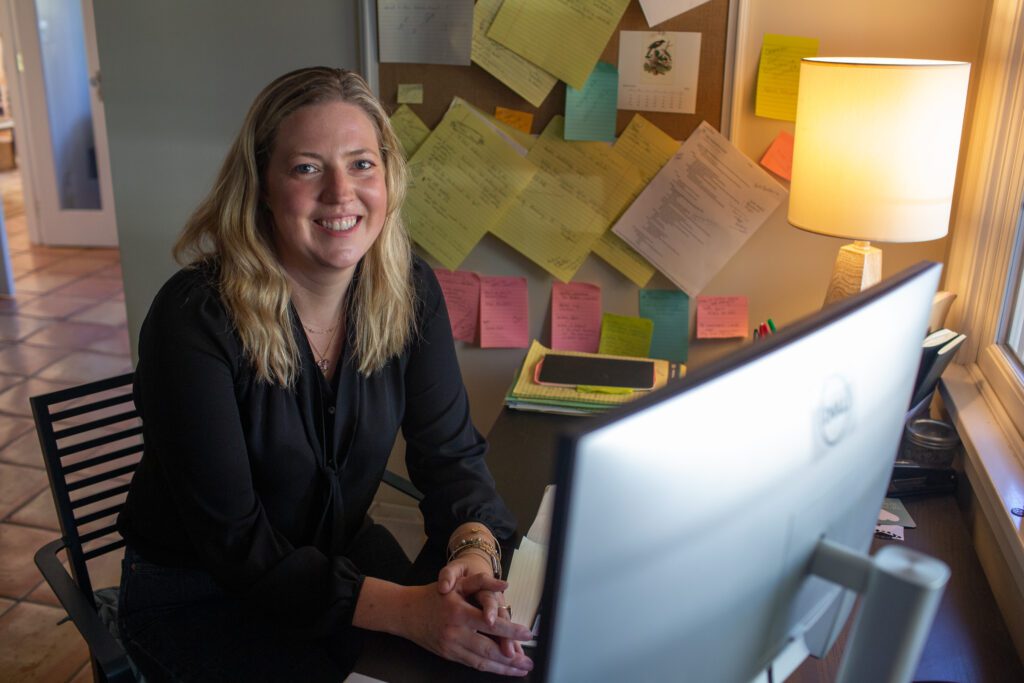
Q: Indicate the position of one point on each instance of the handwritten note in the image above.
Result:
(591, 111)
(462, 298)
(623, 335)
(779, 156)
(778, 74)
(575, 317)
(520, 120)
(461, 181)
(699, 210)
(657, 11)
(669, 309)
(410, 93)
(409, 128)
(722, 317)
(658, 71)
(531, 82)
(504, 313)
(563, 37)
(425, 31)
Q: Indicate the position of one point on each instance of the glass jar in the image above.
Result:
(930, 443)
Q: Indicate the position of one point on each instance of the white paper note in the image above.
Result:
(703, 205)
(526, 581)
(657, 11)
(658, 71)
(425, 31)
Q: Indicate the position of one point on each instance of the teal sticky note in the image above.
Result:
(590, 113)
(670, 311)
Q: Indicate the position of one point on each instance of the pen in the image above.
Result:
(757, 334)
(771, 324)
(764, 330)
(593, 389)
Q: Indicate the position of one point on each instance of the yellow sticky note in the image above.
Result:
(520, 120)
(410, 93)
(563, 37)
(646, 146)
(623, 335)
(531, 82)
(624, 258)
(461, 181)
(409, 128)
(778, 74)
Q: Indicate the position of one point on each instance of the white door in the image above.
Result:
(61, 130)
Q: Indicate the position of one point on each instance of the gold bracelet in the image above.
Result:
(493, 552)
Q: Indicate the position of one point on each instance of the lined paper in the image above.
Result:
(528, 80)
(410, 129)
(425, 31)
(462, 298)
(504, 313)
(722, 317)
(669, 310)
(624, 335)
(778, 74)
(526, 581)
(590, 112)
(575, 317)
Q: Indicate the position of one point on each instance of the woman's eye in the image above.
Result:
(363, 164)
(305, 169)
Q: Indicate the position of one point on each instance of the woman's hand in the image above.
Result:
(492, 603)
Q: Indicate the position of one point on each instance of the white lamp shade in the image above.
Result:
(875, 148)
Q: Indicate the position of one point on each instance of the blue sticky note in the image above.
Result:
(670, 311)
(590, 113)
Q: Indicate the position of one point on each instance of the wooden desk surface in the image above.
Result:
(968, 642)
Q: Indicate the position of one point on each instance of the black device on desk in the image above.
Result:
(912, 479)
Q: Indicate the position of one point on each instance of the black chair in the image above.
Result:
(91, 439)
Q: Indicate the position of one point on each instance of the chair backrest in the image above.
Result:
(91, 439)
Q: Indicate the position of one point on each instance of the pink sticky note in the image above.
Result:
(722, 317)
(504, 313)
(462, 297)
(779, 157)
(575, 316)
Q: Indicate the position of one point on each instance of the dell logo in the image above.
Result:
(836, 410)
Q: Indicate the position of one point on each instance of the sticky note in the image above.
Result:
(425, 31)
(520, 120)
(623, 335)
(409, 128)
(504, 313)
(669, 309)
(722, 317)
(575, 316)
(410, 93)
(462, 298)
(778, 158)
(778, 74)
(590, 112)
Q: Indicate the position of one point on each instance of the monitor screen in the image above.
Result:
(685, 523)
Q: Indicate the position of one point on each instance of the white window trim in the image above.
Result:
(985, 394)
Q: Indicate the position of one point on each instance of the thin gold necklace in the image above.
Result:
(323, 363)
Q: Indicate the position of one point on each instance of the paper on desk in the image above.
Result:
(540, 530)
(658, 71)
(575, 316)
(657, 11)
(893, 532)
(504, 313)
(590, 112)
(531, 82)
(669, 310)
(563, 37)
(699, 210)
(462, 299)
(461, 180)
(624, 335)
(520, 120)
(722, 317)
(895, 512)
(361, 678)
(409, 128)
(778, 74)
(526, 581)
(778, 158)
(425, 31)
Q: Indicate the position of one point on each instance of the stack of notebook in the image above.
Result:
(590, 394)
(936, 353)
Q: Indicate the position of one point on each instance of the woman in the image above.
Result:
(274, 373)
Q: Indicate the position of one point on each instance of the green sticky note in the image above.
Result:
(623, 335)
(590, 112)
(669, 309)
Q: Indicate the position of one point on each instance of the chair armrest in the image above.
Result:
(402, 485)
(103, 647)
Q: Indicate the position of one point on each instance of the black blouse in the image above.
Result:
(264, 486)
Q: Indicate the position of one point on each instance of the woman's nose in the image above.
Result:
(338, 187)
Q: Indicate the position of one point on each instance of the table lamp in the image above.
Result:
(874, 156)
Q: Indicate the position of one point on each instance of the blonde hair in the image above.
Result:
(232, 229)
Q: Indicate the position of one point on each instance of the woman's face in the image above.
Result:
(324, 185)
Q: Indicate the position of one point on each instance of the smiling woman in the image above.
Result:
(274, 373)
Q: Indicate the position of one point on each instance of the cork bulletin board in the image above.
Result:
(442, 82)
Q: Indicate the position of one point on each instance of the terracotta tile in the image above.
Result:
(5, 605)
(85, 366)
(119, 343)
(43, 281)
(13, 304)
(84, 674)
(113, 271)
(25, 359)
(24, 450)
(93, 287)
(106, 313)
(19, 242)
(17, 327)
(76, 265)
(70, 335)
(8, 381)
(38, 512)
(34, 648)
(15, 399)
(18, 546)
(18, 485)
(32, 260)
(53, 306)
(13, 427)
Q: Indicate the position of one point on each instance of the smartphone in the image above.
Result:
(570, 371)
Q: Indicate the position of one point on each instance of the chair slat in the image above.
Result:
(103, 549)
(98, 533)
(95, 497)
(99, 441)
(96, 424)
(88, 408)
(98, 514)
(100, 459)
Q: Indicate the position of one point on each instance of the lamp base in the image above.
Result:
(858, 266)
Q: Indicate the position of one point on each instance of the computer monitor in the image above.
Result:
(692, 529)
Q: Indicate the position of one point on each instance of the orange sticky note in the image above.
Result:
(520, 120)
(504, 313)
(779, 157)
(462, 297)
(722, 317)
(575, 316)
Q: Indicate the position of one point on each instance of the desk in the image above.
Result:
(968, 641)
